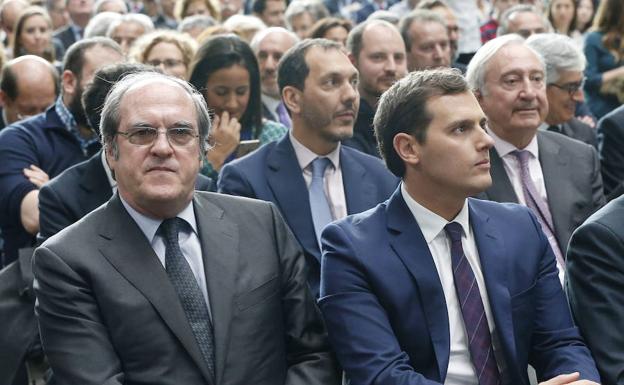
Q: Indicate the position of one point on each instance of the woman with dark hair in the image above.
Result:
(584, 15)
(226, 72)
(562, 16)
(331, 28)
(604, 50)
(33, 35)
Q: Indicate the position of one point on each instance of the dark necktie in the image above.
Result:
(473, 312)
(321, 213)
(187, 288)
(535, 202)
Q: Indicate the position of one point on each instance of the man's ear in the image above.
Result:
(69, 83)
(352, 58)
(291, 97)
(407, 148)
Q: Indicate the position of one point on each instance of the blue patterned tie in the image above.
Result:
(473, 312)
(187, 288)
(321, 214)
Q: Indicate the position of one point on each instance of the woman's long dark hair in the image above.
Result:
(224, 51)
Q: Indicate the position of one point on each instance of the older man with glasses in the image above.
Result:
(565, 63)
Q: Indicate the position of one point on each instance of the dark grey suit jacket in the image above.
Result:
(578, 130)
(66, 36)
(108, 313)
(611, 148)
(572, 177)
(595, 286)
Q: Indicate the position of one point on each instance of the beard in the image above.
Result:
(75, 107)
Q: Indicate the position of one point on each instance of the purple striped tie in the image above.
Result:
(479, 338)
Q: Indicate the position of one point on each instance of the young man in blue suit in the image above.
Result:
(319, 86)
(431, 286)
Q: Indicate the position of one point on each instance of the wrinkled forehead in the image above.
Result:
(514, 58)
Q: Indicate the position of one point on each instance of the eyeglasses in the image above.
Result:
(168, 63)
(145, 136)
(570, 88)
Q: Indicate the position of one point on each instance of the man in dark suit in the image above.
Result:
(41, 147)
(167, 286)
(595, 287)
(269, 45)
(377, 50)
(80, 12)
(431, 286)
(319, 86)
(611, 147)
(557, 177)
(565, 64)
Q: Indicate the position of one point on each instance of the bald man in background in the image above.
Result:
(28, 85)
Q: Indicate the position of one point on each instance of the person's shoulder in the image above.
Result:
(231, 203)
(610, 215)
(593, 37)
(363, 157)
(499, 211)
(565, 142)
(614, 117)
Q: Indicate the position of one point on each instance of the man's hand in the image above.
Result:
(568, 379)
(591, 122)
(36, 176)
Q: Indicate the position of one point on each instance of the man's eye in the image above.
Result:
(143, 133)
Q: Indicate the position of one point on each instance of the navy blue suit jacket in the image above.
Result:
(272, 174)
(385, 309)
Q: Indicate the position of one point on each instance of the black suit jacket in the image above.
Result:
(595, 285)
(108, 313)
(76, 192)
(611, 148)
(572, 177)
(578, 130)
(66, 36)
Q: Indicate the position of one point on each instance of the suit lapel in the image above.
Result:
(359, 191)
(124, 245)
(291, 194)
(219, 240)
(554, 169)
(494, 265)
(408, 242)
(501, 189)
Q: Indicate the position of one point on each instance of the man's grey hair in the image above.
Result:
(98, 25)
(138, 18)
(196, 21)
(503, 20)
(356, 35)
(111, 112)
(100, 3)
(477, 68)
(418, 16)
(315, 8)
(262, 34)
(560, 53)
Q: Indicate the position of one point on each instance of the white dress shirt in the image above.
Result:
(271, 104)
(512, 168)
(187, 238)
(334, 189)
(461, 370)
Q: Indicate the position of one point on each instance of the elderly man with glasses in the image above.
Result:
(565, 63)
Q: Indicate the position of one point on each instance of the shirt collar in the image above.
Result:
(149, 226)
(305, 156)
(271, 103)
(430, 223)
(107, 170)
(504, 148)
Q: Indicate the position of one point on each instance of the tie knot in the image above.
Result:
(454, 231)
(318, 167)
(169, 228)
(522, 156)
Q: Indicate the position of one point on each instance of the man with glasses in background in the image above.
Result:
(565, 64)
